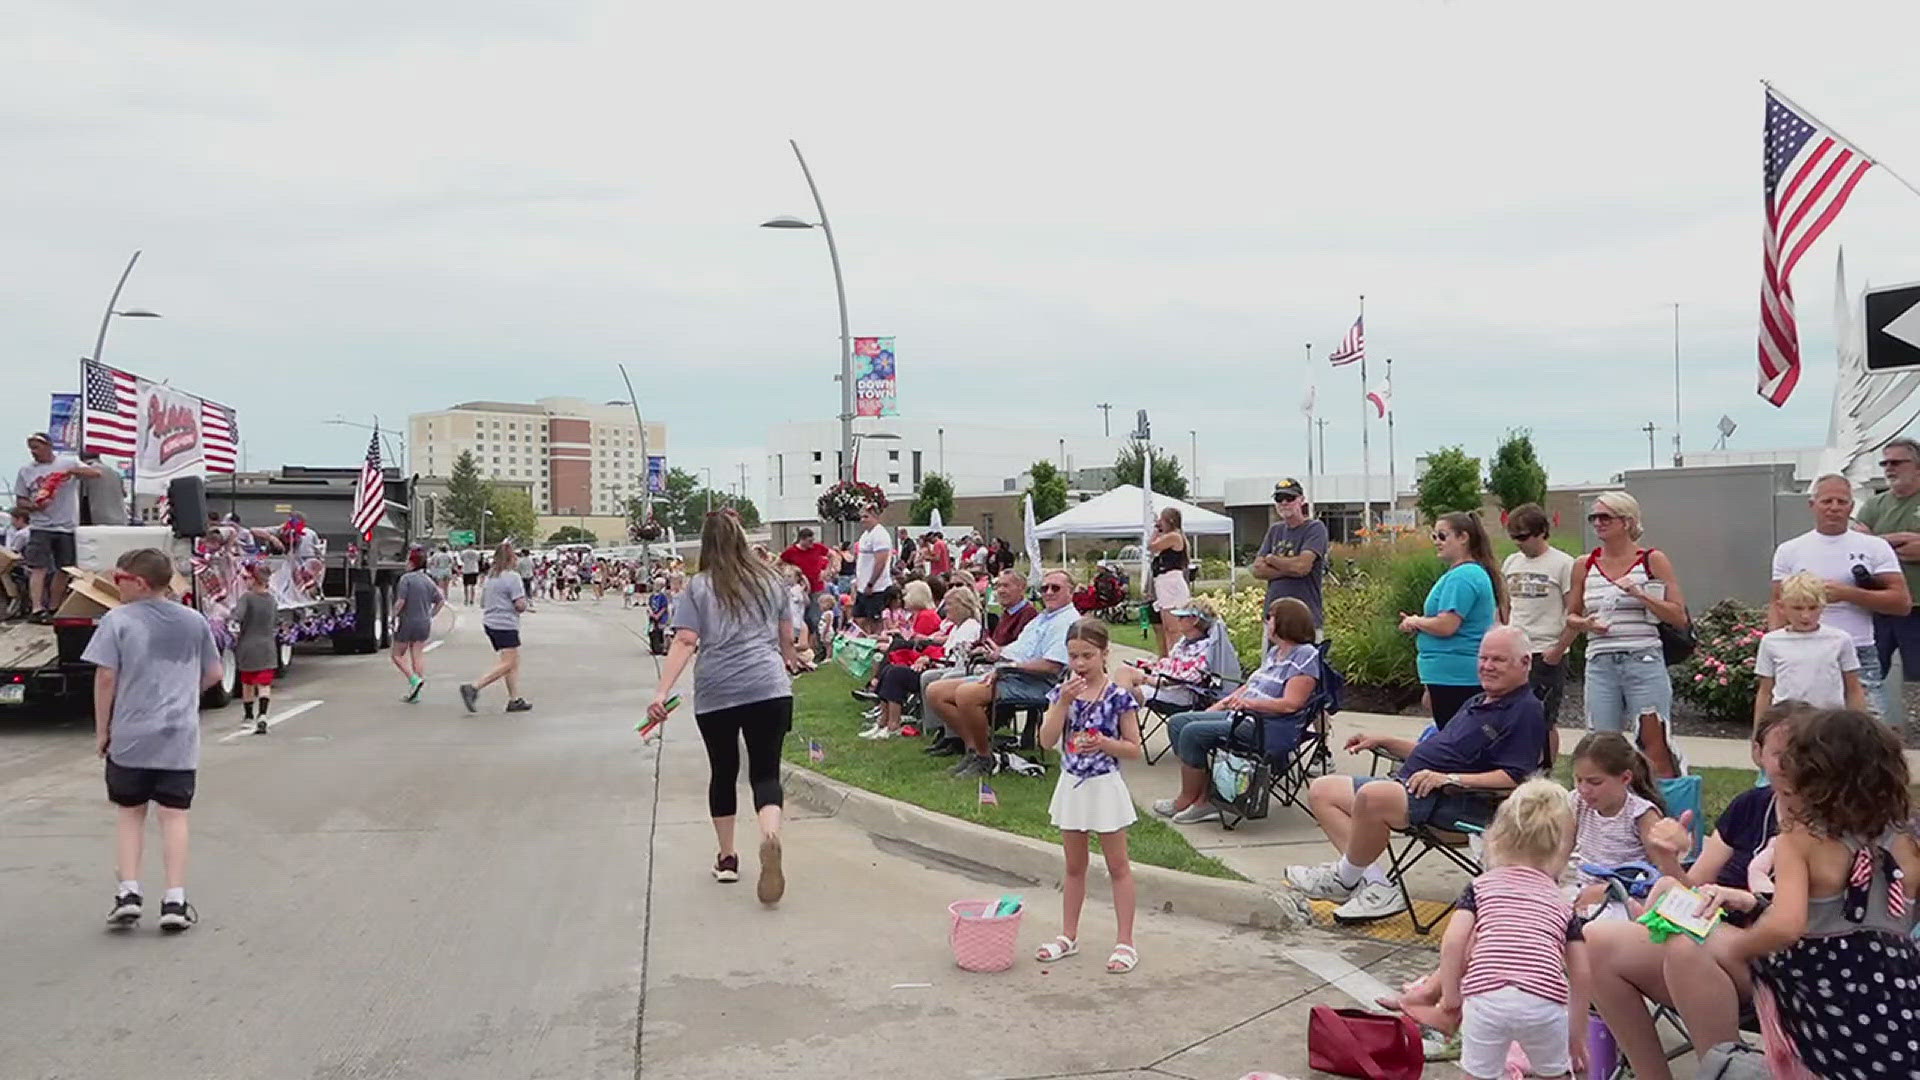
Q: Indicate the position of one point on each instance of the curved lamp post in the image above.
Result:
(788, 221)
(113, 303)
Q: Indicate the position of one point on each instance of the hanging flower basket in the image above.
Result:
(846, 500)
(647, 531)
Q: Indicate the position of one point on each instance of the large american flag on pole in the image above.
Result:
(219, 436)
(1809, 173)
(109, 411)
(370, 497)
(1352, 347)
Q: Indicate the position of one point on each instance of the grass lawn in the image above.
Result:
(823, 712)
(1132, 634)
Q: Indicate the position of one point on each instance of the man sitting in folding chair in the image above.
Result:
(1493, 744)
(1282, 686)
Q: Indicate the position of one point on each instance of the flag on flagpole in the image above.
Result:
(1808, 174)
(1381, 398)
(370, 497)
(1352, 347)
(987, 797)
(219, 437)
(110, 411)
(814, 752)
(1307, 400)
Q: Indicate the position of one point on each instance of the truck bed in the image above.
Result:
(25, 645)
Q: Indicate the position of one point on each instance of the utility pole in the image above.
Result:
(743, 481)
(1106, 419)
(1323, 444)
(1676, 386)
(1650, 429)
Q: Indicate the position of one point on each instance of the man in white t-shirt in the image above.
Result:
(1862, 575)
(872, 566)
(1538, 577)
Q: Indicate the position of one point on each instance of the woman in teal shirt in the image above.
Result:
(1461, 607)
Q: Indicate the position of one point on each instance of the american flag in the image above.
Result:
(1810, 172)
(1352, 347)
(219, 436)
(110, 411)
(814, 753)
(987, 797)
(370, 498)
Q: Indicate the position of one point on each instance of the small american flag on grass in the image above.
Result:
(987, 797)
(815, 753)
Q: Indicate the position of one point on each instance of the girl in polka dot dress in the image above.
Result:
(1832, 956)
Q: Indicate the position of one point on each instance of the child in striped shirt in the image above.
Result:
(1513, 964)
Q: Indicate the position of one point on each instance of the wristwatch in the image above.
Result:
(1454, 779)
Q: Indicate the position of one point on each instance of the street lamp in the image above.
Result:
(709, 474)
(484, 515)
(788, 221)
(113, 308)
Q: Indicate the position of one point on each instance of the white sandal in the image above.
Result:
(1123, 960)
(1058, 949)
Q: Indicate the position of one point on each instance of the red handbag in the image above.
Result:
(1355, 1042)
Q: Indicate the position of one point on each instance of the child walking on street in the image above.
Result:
(416, 602)
(1804, 661)
(1094, 723)
(1513, 964)
(152, 659)
(256, 652)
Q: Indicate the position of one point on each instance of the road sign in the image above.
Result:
(460, 536)
(1893, 328)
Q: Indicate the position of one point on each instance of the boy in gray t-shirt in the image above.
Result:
(152, 658)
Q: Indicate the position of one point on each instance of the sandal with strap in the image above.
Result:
(1058, 949)
(1123, 960)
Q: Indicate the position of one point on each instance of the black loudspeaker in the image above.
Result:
(187, 506)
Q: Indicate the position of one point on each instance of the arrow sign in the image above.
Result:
(1893, 328)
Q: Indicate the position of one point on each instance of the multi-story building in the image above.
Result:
(580, 458)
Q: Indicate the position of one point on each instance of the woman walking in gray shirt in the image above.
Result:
(502, 599)
(416, 602)
(734, 613)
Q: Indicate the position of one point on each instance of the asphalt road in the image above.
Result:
(391, 890)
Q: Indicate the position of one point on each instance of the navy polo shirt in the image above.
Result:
(1505, 733)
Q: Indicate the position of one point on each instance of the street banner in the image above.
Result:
(874, 385)
(63, 423)
(657, 473)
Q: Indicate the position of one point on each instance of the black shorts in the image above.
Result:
(469, 579)
(502, 639)
(171, 788)
(870, 605)
(1021, 689)
(49, 550)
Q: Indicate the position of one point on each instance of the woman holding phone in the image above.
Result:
(1621, 594)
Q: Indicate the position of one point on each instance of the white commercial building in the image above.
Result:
(581, 458)
(896, 453)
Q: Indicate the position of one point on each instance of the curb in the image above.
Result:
(1235, 903)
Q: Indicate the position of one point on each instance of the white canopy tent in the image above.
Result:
(1118, 513)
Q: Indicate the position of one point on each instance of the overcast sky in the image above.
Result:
(374, 207)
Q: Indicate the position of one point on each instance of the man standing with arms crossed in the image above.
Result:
(1293, 558)
(872, 571)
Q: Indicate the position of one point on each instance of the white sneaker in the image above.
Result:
(871, 731)
(881, 734)
(1375, 900)
(1319, 882)
(1197, 813)
(1163, 807)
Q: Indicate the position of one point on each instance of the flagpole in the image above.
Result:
(1310, 420)
(1393, 487)
(1796, 106)
(1366, 452)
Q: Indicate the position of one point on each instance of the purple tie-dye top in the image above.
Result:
(1101, 714)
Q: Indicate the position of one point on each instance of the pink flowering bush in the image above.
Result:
(1718, 679)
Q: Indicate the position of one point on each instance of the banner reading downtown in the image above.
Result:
(874, 386)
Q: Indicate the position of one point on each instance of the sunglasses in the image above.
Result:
(1518, 537)
(1053, 588)
(1597, 518)
(1285, 498)
(1439, 536)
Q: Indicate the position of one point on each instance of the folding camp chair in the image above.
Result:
(1452, 839)
(1166, 702)
(1282, 748)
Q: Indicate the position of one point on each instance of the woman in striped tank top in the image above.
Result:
(1621, 593)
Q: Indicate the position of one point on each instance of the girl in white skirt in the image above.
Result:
(1094, 723)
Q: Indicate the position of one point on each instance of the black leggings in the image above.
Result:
(764, 725)
(1447, 700)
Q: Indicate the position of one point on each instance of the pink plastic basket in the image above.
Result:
(982, 942)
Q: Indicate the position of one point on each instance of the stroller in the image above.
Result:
(1105, 595)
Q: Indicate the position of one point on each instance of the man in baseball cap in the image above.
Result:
(44, 488)
(1293, 557)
